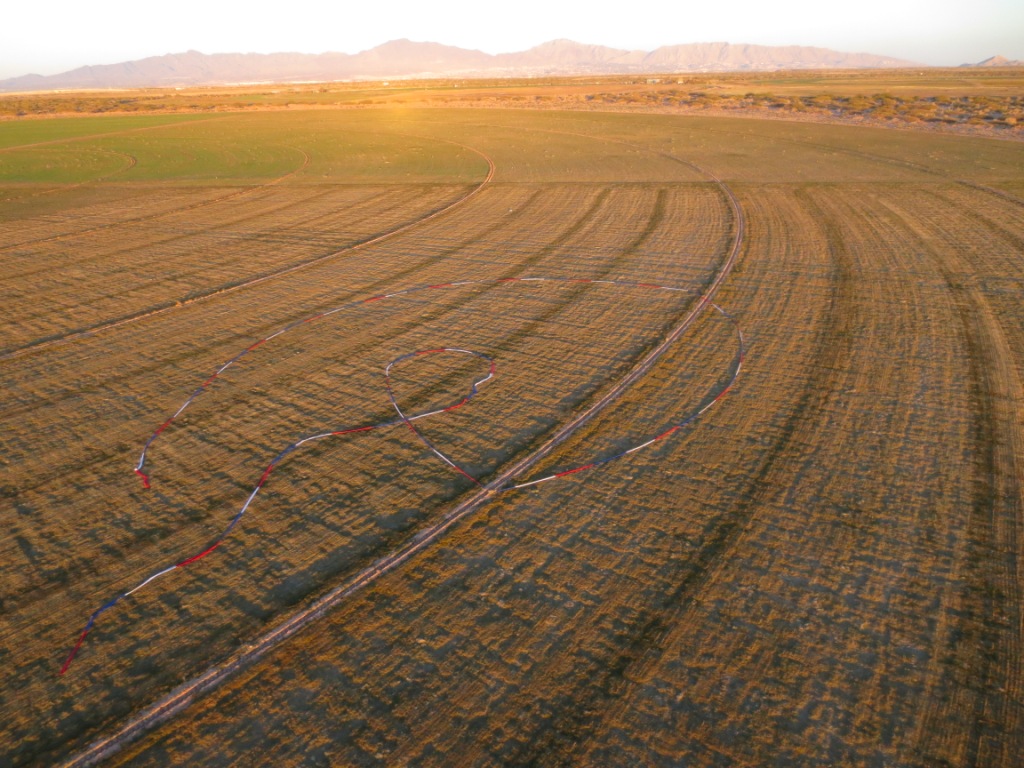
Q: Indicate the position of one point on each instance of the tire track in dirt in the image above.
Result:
(832, 346)
(988, 631)
(220, 291)
(185, 694)
(980, 218)
(655, 218)
(982, 657)
(992, 191)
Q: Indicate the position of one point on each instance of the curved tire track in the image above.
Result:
(725, 531)
(980, 654)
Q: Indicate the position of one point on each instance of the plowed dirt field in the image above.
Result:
(826, 568)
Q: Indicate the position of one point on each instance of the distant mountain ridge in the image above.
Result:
(996, 61)
(405, 58)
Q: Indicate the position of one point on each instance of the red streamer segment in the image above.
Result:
(200, 556)
(403, 418)
(573, 471)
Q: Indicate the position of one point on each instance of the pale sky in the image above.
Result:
(51, 37)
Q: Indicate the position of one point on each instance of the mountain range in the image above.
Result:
(996, 61)
(407, 59)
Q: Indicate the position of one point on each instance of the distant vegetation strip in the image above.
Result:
(1005, 112)
(707, 403)
(989, 101)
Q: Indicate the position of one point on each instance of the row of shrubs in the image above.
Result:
(1006, 111)
(1000, 111)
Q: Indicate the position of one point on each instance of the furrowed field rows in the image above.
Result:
(84, 207)
(981, 660)
(824, 569)
(170, 263)
(541, 610)
(35, 456)
(748, 605)
(990, 261)
(839, 615)
(493, 243)
(182, 211)
(116, 205)
(579, 230)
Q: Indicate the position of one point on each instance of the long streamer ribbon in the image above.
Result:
(403, 418)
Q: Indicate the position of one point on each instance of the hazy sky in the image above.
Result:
(51, 37)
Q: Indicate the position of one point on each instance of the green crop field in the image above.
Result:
(825, 568)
